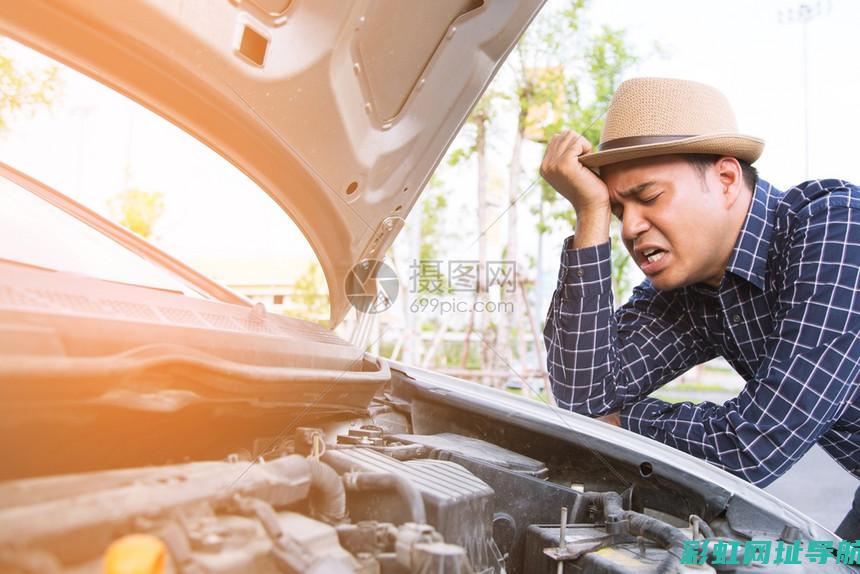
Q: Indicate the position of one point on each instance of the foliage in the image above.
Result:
(432, 214)
(483, 113)
(622, 284)
(561, 75)
(589, 83)
(309, 295)
(559, 78)
(428, 276)
(24, 90)
(138, 210)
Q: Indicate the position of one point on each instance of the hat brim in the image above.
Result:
(743, 147)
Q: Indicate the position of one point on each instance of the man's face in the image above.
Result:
(675, 220)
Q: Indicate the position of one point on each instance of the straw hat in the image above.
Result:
(660, 116)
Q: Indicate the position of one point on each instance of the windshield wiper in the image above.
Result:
(15, 263)
(5, 261)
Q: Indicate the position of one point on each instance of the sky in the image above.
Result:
(754, 54)
(93, 143)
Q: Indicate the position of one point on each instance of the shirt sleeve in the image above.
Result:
(600, 360)
(811, 369)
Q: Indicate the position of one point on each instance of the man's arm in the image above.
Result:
(600, 361)
(579, 185)
(810, 372)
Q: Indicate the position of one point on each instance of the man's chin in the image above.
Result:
(665, 282)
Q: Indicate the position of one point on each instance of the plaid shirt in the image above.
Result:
(786, 316)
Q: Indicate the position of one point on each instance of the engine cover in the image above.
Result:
(459, 505)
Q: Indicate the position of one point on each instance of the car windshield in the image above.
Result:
(131, 166)
(35, 233)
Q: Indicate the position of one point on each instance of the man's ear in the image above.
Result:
(731, 178)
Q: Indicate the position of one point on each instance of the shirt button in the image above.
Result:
(736, 318)
(580, 272)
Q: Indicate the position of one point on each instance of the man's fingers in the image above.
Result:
(554, 151)
(557, 147)
(568, 140)
(561, 168)
(573, 143)
(558, 144)
(586, 145)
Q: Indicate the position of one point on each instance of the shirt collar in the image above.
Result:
(749, 257)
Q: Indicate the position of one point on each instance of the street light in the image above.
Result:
(805, 13)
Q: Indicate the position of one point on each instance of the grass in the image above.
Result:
(676, 398)
(540, 398)
(698, 388)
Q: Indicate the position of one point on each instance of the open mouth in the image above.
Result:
(654, 255)
(652, 260)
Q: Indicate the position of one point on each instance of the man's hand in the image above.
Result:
(575, 182)
(611, 418)
(579, 185)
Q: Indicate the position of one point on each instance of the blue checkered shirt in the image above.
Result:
(786, 316)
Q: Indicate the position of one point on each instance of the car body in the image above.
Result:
(174, 423)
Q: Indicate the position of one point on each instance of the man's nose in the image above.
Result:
(633, 225)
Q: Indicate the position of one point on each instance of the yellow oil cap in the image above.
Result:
(135, 554)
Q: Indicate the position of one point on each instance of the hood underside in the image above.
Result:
(339, 110)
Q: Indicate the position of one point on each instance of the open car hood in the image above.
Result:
(339, 110)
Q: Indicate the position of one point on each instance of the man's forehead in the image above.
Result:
(634, 176)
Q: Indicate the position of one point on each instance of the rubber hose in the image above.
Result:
(671, 538)
(328, 497)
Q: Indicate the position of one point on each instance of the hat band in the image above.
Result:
(631, 141)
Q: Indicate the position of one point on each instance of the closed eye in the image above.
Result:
(650, 200)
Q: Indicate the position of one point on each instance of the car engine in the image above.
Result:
(349, 497)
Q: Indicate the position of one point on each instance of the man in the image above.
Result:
(734, 268)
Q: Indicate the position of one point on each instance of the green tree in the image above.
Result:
(311, 296)
(478, 123)
(559, 76)
(433, 207)
(427, 276)
(590, 82)
(138, 210)
(24, 90)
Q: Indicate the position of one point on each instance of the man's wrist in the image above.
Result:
(592, 226)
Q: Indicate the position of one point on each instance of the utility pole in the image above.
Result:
(804, 13)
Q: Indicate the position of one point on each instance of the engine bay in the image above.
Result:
(367, 495)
